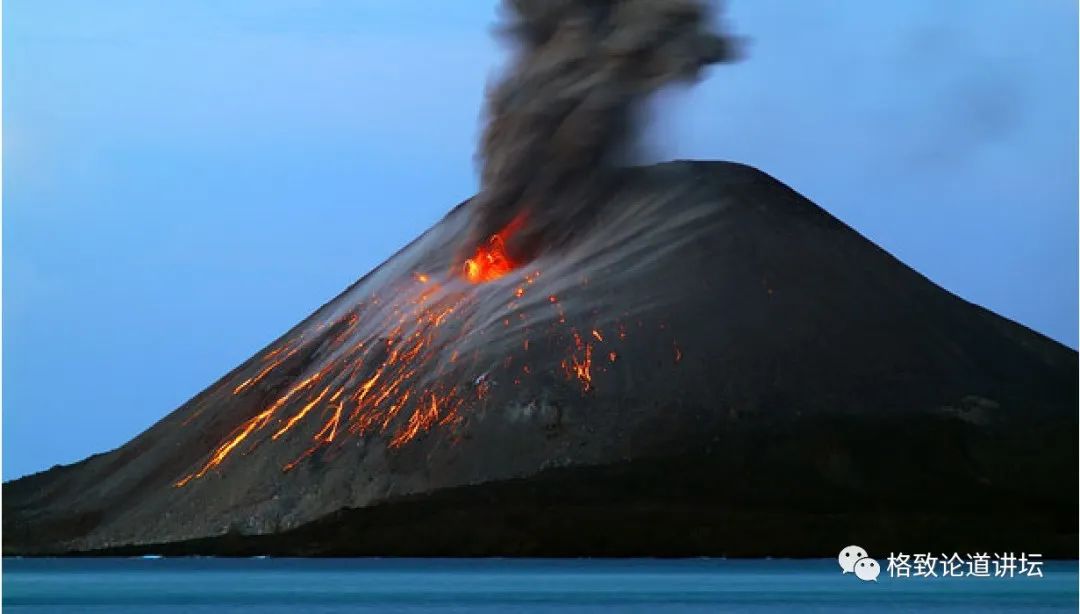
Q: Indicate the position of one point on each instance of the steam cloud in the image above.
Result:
(563, 118)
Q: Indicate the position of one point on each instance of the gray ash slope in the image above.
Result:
(762, 380)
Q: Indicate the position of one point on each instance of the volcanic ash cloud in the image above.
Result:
(565, 114)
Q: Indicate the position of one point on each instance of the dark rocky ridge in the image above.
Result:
(819, 377)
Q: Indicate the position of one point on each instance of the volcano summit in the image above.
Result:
(595, 359)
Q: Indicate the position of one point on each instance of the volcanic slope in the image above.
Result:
(706, 363)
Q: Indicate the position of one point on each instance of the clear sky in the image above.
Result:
(183, 181)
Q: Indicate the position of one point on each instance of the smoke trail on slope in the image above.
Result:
(562, 120)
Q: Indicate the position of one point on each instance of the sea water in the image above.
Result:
(261, 585)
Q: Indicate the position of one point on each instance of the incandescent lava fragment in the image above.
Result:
(490, 261)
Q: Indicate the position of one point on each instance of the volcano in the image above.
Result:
(707, 363)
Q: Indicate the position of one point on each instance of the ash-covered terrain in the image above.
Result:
(590, 358)
(714, 359)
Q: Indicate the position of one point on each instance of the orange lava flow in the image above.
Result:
(490, 261)
(393, 367)
(579, 363)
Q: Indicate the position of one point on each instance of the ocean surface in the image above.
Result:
(500, 585)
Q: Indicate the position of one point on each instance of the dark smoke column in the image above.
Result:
(563, 117)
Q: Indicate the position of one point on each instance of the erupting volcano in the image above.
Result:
(593, 359)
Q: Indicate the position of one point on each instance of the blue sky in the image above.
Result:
(183, 181)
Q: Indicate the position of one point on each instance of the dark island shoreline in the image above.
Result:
(713, 502)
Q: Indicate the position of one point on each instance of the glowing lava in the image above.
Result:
(490, 262)
(377, 369)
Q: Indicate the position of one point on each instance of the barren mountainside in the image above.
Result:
(704, 363)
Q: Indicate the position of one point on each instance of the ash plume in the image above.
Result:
(563, 118)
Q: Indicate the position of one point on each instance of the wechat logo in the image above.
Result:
(854, 559)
